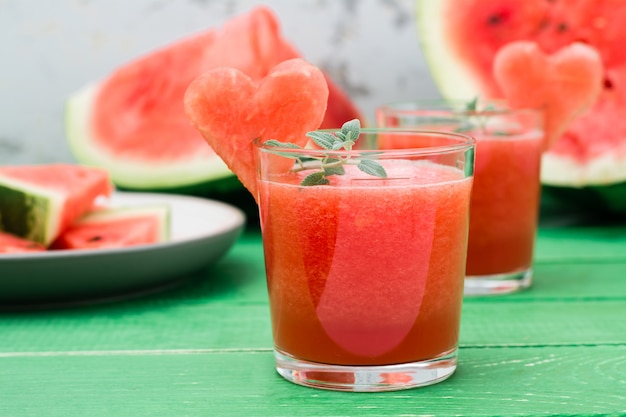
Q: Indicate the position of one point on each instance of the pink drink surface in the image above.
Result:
(504, 204)
(370, 271)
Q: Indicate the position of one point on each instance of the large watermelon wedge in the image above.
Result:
(133, 123)
(461, 38)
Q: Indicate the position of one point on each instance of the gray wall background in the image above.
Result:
(50, 49)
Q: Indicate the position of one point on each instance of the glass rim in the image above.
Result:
(461, 142)
(455, 106)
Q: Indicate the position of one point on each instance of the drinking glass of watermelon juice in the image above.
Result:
(505, 196)
(365, 273)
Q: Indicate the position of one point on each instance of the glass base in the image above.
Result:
(498, 283)
(374, 378)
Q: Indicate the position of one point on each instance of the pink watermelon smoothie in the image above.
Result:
(366, 272)
(504, 204)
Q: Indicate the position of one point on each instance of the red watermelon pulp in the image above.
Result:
(116, 228)
(133, 122)
(461, 38)
(12, 244)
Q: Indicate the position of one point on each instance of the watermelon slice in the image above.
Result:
(12, 244)
(38, 202)
(461, 39)
(231, 111)
(133, 123)
(117, 227)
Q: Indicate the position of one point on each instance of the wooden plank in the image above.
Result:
(543, 323)
(213, 324)
(581, 244)
(229, 310)
(220, 325)
(561, 282)
(540, 381)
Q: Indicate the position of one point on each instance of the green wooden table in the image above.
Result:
(204, 348)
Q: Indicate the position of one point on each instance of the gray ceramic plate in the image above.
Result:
(201, 232)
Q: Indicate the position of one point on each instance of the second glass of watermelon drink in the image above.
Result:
(365, 273)
(505, 196)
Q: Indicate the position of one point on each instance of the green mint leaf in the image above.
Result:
(274, 142)
(326, 165)
(336, 169)
(316, 178)
(468, 127)
(324, 140)
(472, 105)
(372, 168)
(346, 145)
(351, 129)
(499, 133)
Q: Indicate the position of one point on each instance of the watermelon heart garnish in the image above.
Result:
(231, 110)
(565, 84)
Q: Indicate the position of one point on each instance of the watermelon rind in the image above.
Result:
(453, 78)
(131, 172)
(29, 211)
(558, 170)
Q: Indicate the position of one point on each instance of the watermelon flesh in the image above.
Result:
(11, 244)
(116, 228)
(39, 202)
(134, 125)
(230, 110)
(461, 39)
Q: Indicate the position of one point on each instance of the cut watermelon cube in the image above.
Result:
(39, 202)
(117, 227)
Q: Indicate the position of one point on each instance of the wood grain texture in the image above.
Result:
(204, 349)
(489, 382)
(581, 244)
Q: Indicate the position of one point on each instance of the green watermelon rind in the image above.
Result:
(39, 207)
(132, 173)
(454, 80)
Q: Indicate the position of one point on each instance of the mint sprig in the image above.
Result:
(327, 164)
(478, 117)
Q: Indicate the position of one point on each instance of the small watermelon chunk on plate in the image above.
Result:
(13, 244)
(39, 202)
(460, 40)
(117, 227)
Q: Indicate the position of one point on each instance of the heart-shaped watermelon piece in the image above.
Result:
(231, 110)
(565, 83)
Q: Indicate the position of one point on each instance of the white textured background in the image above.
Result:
(51, 48)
